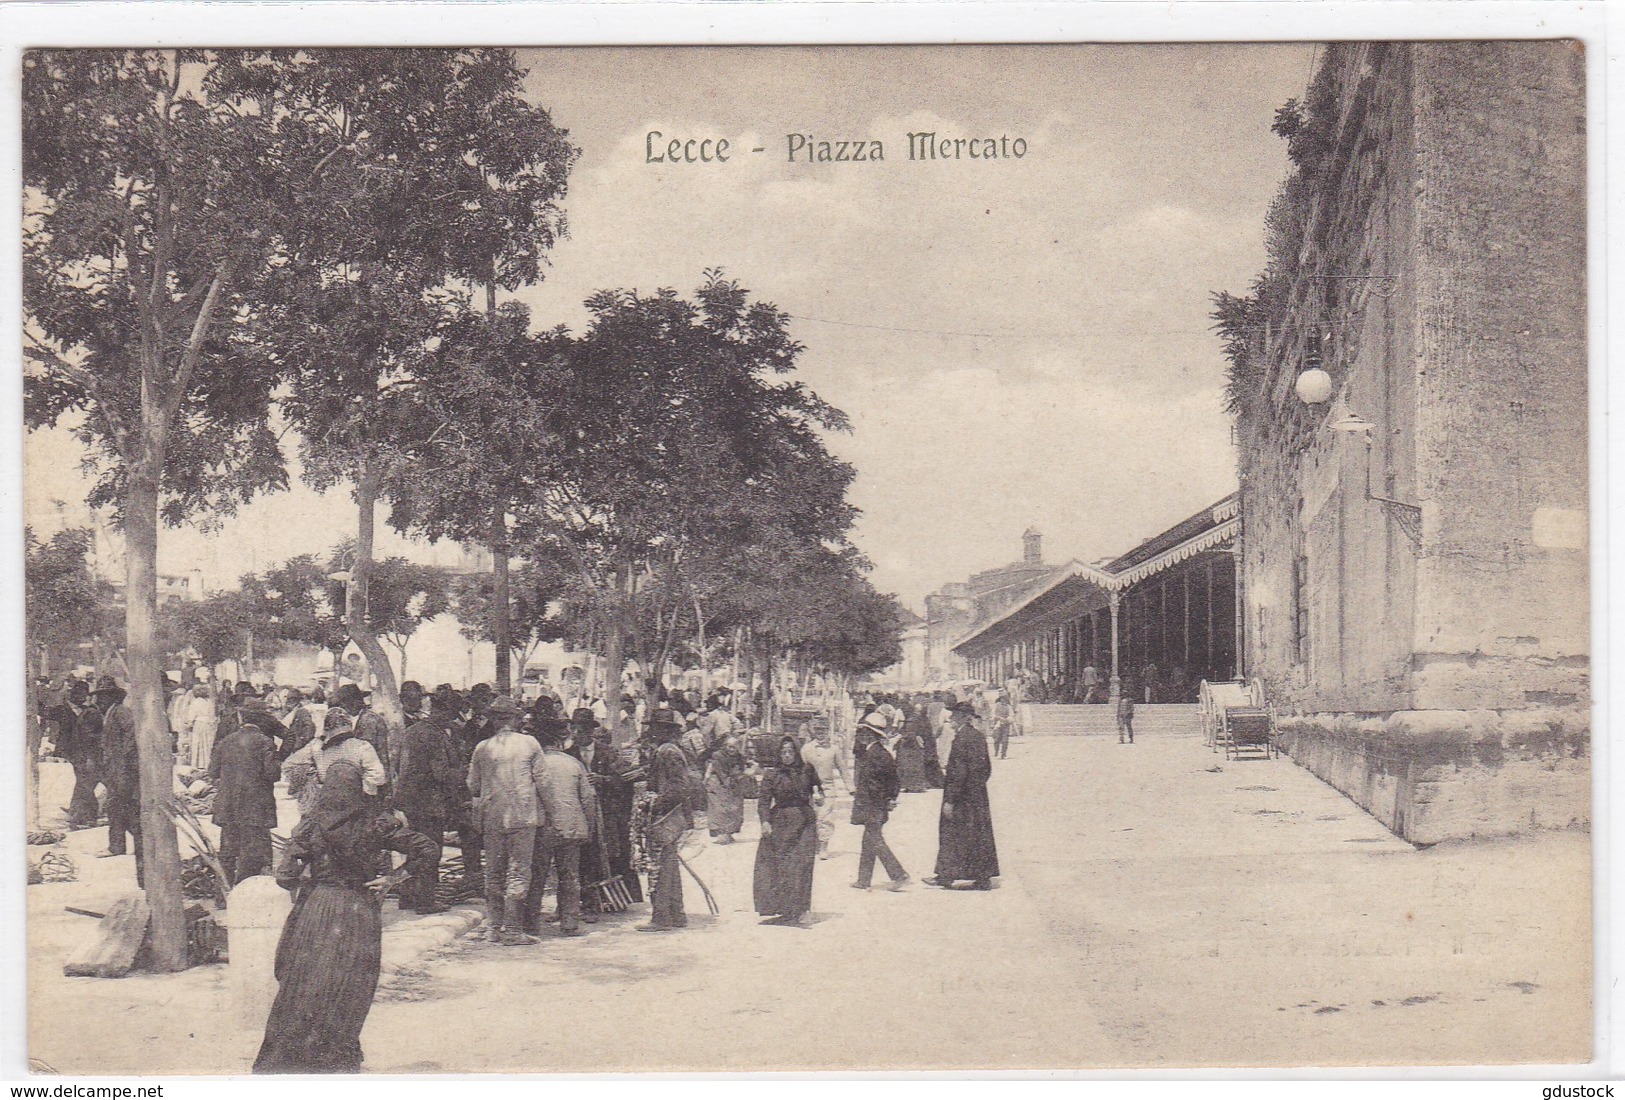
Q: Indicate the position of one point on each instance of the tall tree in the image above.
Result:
(539, 609)
(149, 220)
(418, 139)
(304, 604)
(487, 397)
(679, 443)
(66, 603)
(405, 595)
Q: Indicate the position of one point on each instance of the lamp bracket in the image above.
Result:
(1408, 516)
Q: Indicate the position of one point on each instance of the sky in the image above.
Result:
(1018, 342)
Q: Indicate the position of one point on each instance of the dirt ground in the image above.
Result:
(1159, 907)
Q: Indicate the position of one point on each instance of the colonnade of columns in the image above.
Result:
(1167, 632)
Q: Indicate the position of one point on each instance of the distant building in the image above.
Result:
(912, 671)
(180, 587)
(1416, 568)
(1161, 616)
(951, 611)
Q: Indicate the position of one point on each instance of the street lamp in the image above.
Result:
(344, 577)
(1313, 387)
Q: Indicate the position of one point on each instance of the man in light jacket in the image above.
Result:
(506, 777)
(571, 809)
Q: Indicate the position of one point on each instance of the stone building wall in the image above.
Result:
(1441, 679)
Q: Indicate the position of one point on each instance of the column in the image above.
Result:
(1117, 681)
(1211, 668)
(1236, 564)
(1185, 587)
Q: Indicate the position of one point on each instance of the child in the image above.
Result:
(1125, 714)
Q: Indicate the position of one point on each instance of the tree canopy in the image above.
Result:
(66, 603)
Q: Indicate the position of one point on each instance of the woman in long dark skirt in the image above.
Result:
(911, 771)
(965, 848)
(789, 845)
(928, 740)
(327, 961)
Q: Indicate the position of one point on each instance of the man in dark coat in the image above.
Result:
(873, 798)
(121, 773)
(245, 769)
(429, 792)
(78, 740)
(614, 778)
(412, 709)
(965, 848)
(475, 726)
(254, 712)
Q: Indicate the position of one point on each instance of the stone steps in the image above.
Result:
(1100, 720)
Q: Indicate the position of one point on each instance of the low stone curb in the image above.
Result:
(408, 943)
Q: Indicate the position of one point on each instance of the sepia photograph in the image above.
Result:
(806, 558)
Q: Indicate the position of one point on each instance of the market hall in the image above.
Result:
(1160, 618)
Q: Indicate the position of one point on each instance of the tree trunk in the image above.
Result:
(159, 849)
(745, 656)
(387, 698)
(705, 659)
(733, 669)
(501, 610)
(767, 686)
(614, 666)
(36, 734)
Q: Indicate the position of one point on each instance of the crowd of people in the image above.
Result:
(531, 795)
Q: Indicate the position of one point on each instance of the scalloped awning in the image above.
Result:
(1211, 539)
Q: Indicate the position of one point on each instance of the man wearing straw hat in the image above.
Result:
(874, 797)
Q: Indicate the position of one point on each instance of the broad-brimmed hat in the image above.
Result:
(445, 700)
(412, 690)
(349, 695)
(108, 686)
(875, 720)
